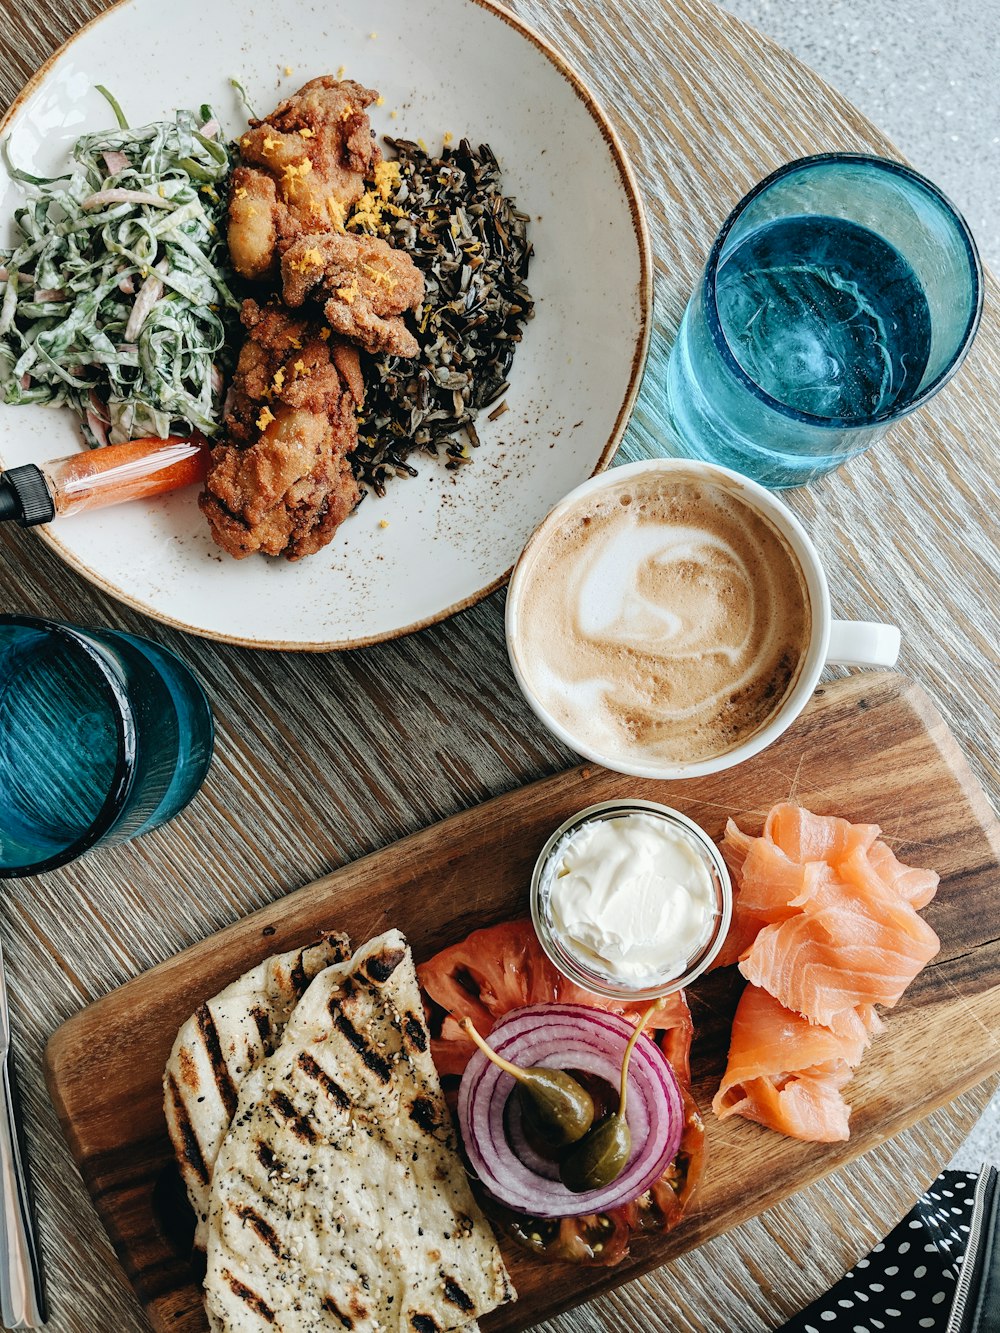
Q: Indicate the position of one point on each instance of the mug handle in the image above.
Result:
(862, 643)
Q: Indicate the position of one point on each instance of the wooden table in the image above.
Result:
(907, 535)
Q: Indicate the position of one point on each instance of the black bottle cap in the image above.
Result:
(10, 505)
(25, 496)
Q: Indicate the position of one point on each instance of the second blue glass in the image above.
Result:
(103, 736)
(840, 295)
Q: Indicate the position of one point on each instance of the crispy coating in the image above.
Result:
(303, 169)
(286, 360)
(281, 483)
(367, 285)
(253, 229)
(285, 495)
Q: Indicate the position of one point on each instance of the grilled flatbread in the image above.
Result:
(339, 1200)
(219, 1046)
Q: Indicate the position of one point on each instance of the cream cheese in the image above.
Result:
(632, 897)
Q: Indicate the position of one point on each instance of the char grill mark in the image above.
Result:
(250, 1298)
(415, 1032)
(223, 1078)
(424, 1323)
(298, 1124)
(378, 1064)
(422, 1114)
(192, 1148)
(331, 1307)
(454, 1293)
(265, 1232)
(298, 978)
(312, 1069)
(342, 949)
(267, 1158)
(263, 1021)
(380, 966)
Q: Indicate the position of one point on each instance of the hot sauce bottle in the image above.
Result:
(96, 478)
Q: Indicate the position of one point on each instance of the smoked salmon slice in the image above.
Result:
(803, 836)
(825, 962)
(917, 886)
(787, 1073)
(825, 928)
(767, 872)
(769, 888)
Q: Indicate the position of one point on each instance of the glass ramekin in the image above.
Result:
(601, 983)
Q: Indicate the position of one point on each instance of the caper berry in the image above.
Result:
(560, 1109)
(599, 1157)
(555, 1105)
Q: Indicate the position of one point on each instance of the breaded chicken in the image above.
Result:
(281, 483)
(366, 285)
(303, 168)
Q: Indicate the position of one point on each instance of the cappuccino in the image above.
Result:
(661, 619)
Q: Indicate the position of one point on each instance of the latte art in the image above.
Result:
(662, 619)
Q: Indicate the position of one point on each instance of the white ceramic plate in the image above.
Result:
(458, 66)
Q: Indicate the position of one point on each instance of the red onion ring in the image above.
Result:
(568, 1036)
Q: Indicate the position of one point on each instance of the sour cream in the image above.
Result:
(632, 897)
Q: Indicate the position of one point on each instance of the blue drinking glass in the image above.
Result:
(103, 736)
(839, 296)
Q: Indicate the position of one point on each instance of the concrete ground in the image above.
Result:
(928, 74)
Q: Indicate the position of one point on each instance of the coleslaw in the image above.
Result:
(116, 299)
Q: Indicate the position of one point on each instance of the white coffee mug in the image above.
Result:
(832, 642)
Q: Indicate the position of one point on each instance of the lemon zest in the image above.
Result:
(337, 211)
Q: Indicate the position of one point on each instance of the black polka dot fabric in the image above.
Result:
(908, 1281)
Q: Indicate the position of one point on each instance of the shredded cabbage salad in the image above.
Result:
(116, 299)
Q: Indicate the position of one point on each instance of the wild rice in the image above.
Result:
(470, 242)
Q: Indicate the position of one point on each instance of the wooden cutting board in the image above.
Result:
(871, 747)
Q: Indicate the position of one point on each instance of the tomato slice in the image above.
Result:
(504, 967)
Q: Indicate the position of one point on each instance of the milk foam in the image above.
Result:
(662, 618)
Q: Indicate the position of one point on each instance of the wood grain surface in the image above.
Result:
(321, 760)
(865, 746)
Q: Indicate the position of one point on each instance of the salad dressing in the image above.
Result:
(97, 478)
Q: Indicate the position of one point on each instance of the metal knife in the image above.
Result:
(22, 1295)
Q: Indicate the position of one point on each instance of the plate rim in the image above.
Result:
(640, 225)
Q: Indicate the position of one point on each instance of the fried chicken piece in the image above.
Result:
(288, 358)
(285, 495)
(367, 285)
(303, 168)
(281, 482)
